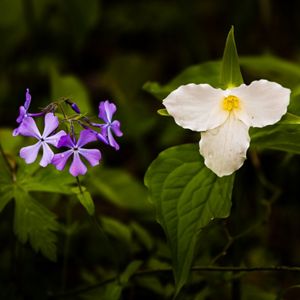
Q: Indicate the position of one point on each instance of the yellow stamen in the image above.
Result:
(230, 103)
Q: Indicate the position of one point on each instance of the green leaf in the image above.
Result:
(129, 271)
(6, 195)
(208, 72)
(69, 86)
(163, 112)
(117, 229)
(289, 119)
(46, 180)
(272, 67)
(284, 137)
(120, 188)
(35, 223)
(5, 175)
(187, 196)
(230, 71)
(85, 199)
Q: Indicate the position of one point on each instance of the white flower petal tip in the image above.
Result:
(224, 148)
(263, 102)
(196, 106)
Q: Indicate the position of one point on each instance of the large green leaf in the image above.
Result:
(273, 68)
(282, 137)
(230, 70)
(187, 197)
(35, 223)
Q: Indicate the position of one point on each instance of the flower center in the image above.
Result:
(230, 103)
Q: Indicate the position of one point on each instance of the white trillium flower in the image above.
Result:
(224, 117)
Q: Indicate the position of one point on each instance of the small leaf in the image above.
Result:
(163, 112)
(230, 71)
(85, 199)
(35, 223)
(187, 197)
(129, 271)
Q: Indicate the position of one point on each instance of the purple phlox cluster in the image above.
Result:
(110, 127)
(61, 139)
(76, 150)
(29, 128)
(23, 113)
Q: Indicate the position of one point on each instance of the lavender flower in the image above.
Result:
(23, 112)
(77, 167)
(29, 128)
(106, 111)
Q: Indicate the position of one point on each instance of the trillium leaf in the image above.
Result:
(187, 196)
(230, 69)
(283, 137)
(35, 223)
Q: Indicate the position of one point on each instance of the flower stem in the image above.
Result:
(169, 270)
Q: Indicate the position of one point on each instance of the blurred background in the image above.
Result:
(95, 50)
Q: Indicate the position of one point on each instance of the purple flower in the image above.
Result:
(106, 111)
(23, 113)
(29, 128)
(77, 167)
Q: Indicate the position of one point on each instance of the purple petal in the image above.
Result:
(22, 113)
(51, 123)
(28, 100)
(104, 130)
(15, 131)
(59, 160)
(106, 111)
(54, 139)
(101, 138)
(111, 140)
(75, 108)
(47, 155)
(86, 136)
(93, 156)
(115, 126)
(30, 153)
(77, 167)
(29, 128)
(65, 141)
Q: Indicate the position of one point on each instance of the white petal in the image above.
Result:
(196, 106)
(262, 102)
(224, 148)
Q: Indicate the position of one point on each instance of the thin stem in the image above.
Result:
(66, 246)
(230, 240)
(94, 219)
(169, 270)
